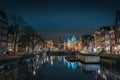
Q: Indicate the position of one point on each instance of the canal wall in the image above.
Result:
(110, 61)
(16, 58)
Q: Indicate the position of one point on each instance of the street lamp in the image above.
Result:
(115, 47)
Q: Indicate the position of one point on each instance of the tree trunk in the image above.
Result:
(14, 45)
(28, 48)
(14, 49)
(32, 48)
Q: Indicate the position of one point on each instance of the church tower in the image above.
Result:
(117, 19)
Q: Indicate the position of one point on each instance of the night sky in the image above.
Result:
(75, 16)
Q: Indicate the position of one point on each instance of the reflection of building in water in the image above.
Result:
(60, 58)
(72, 65)
(109, 75)
(9, 75)
(47, 59)
(86, 67)
(68, 64)
(51, 59)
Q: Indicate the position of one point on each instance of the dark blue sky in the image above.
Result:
(82, 16)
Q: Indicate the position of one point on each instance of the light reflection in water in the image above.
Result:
(28, 65)
(51, 62)
(68, 64)
(34, 72)
(96, 71)
(44, 60)
(47, 59)
(73, 65)
(64, 60)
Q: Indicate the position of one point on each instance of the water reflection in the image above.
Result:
(46, 67)
(97, 72)
(108, 74)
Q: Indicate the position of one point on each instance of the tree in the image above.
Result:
(29, 35)
(38, 41)
(18, 23)
(103, 51)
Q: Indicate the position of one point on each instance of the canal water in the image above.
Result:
(55, 68)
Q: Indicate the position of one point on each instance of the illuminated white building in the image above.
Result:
(71, 44)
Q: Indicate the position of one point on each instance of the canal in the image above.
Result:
(55, 68)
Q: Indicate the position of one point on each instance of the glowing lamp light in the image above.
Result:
(10, 49)
(98, 47)
(107, 48)
(115, 48)
(94, 50)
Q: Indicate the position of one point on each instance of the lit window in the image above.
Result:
(119, 39)
(119, 29)
(4, 38)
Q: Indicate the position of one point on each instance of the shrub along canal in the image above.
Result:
(56, 68)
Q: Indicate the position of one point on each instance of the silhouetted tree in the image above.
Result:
(103, 51)
(30, 35)
(18, 23)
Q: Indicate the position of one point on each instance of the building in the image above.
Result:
(71, 44)
(60, 44)
(80, 44)
(102, 39)
(3, 32)
(87, 43)
(10, 38)
(117, 33)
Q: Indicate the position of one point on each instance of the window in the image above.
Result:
(4, 38)
(112, 36)
(5, 31)
(119, 40)
(118, 28)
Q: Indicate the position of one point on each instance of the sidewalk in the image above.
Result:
(17, 55)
